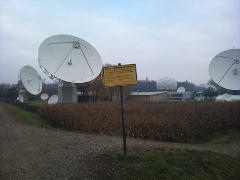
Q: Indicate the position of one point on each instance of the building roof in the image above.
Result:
(147, 93)
(179, 92)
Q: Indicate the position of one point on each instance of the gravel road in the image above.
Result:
(30, 152)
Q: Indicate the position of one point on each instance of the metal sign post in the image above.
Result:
(121, 75)
(123, 123)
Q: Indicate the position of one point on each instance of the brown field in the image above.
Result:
(157, 121)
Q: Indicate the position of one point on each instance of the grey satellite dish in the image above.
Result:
(181, 89)
(166, 83)
(44, 96)
(31, 80)
(53, 99)
(69, 59)
(224, 69)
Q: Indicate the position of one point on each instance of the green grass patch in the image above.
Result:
(181, 165)
(25, 116)
(223, 138)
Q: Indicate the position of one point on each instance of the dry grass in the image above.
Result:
(157, 121)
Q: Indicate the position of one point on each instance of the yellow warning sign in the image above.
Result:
(121, 75)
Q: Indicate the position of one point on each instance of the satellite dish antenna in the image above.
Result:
(44, 96)
(227, 97)
(219, 98)
(224, 69)
(53, 99)
(181, 90)
(31, 80)
(166, 83)
(69, 59)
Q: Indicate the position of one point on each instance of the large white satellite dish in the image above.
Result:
(31, 80)
(53, 99)
(224, 69)
(181, 89)
(44, 96)
(69, 58)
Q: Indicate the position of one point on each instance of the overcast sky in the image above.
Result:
(171, 38)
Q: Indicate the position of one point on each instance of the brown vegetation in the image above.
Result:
(158, 121)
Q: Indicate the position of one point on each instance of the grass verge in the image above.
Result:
(25, 116)
(38, 103)
(220, 138)
(178, 165)
(227, 137)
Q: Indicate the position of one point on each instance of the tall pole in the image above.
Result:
(123, 121)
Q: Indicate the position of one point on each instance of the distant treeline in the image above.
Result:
(9, 92)
(151, 86)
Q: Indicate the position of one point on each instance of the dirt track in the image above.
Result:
(29, 152)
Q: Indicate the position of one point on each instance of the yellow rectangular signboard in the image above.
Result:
(121, 75)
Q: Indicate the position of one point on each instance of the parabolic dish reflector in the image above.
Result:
(224, 69)
(44, 96)
(166, 83)
(31, 80)
(181, 89)
(69, 58)
(219, 98)
(227, 97)
(53, 99)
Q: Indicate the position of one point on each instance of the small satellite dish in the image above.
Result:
(181, 89)
(69, 58)
(53, 99)
(21, 98)
(224, 69)
(227, 97)
(44, 96)
(31, 80)
(219, 98)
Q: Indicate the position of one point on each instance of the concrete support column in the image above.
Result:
(67, 92)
